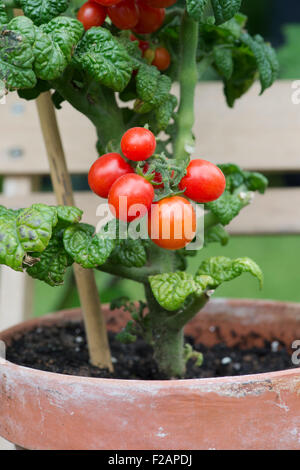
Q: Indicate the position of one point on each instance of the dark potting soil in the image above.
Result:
(63, 349)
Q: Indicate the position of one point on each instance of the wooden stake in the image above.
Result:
(93, 318)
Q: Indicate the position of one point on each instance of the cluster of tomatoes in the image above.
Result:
(140, 16)
(171, 220)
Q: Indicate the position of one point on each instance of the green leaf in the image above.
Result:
(243, 76)
(50, 61)
(172, 289)
(53, 263)
(23, 231)
(130, 253)
(265, 57)
(216, 234)
(224, 10)
(195, 8)
(32, 93)
(165, 112)
(3, 14)
(224, 61)
(87, 248)
(236, 177)
(68, 215)
(42, 11)
(104, 58)
(152, 87)
(222, 269)
(16, 60)
(226, 207)
(66, 32)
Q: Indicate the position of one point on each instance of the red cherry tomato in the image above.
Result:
(150, 19)
(105, 171)
(143, 45)
(130, 197)
(204, 181)
(91, 14)
(124, 15)
(172, 223)
(138, 144)
(162, 58)
(159, 3)
(106, 3)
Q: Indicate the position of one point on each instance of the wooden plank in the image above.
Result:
(271, 213)
(260, 133)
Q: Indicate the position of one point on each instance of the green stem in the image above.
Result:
(188, 77)
(167, 343)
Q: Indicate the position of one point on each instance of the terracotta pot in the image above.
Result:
(42, 410)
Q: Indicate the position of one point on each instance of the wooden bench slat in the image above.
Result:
(271, 213)
(260, 133)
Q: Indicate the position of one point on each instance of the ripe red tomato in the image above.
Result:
(130, 197)
(159, 3)
(172, 223)
(124, 15)
(162, 58)
(91, 14)
(106, 3)
(150, 19)
(138, 143)
(143, 45)
(105, 171)
(204, 181)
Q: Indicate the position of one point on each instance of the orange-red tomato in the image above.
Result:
(172, 223)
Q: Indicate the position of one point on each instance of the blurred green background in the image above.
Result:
(278, 256)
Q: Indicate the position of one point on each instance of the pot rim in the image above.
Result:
(75, 313)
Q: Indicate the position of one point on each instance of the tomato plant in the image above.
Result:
(131, 197)
(138, 144)
(91, 14)
(109, 69)
(105, 171)
(203, 182)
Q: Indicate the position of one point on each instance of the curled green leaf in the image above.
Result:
(42, 11)
(222, 269)
(87, 248)
(53, 262)
(104, 58)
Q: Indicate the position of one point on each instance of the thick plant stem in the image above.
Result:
(90, 303)
(169, 352)
(188, 77)
(167, 342)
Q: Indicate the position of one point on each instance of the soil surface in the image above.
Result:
(63, 349)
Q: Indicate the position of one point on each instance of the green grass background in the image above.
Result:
(278, 256)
